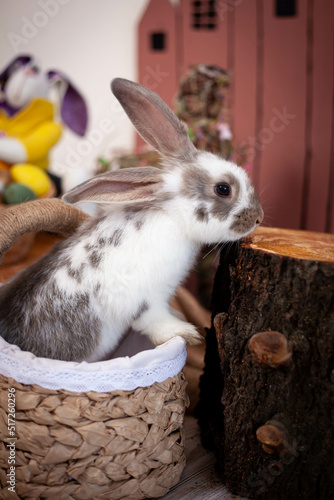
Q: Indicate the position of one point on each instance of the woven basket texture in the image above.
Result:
(84, 446)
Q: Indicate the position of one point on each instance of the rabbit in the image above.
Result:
(121, 267)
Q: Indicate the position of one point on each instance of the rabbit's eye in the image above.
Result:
(223, 189)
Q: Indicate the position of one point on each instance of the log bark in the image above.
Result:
(267, 393)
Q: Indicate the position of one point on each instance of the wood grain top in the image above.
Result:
(296, 244)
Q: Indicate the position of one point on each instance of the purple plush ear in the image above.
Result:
(73, 108)
(14, 64)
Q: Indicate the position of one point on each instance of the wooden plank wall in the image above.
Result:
(158, 70)
(321, 179)
(280, 114)
(208, 46)
(283, 97)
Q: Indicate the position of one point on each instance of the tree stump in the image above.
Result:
(267, 393)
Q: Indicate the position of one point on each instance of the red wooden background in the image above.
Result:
(283, 93)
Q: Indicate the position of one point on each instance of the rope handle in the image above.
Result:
(45, 214)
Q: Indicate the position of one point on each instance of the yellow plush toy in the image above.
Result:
(33, 127)
(27, 126)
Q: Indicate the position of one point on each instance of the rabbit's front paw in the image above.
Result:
(166, 331)
(190, 334)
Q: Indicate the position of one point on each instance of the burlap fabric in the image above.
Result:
(119, 445)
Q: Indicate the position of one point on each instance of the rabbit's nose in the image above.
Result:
(259, 218)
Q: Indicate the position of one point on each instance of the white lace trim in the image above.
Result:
(126, 373)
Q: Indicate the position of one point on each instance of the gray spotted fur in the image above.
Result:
(73, 330)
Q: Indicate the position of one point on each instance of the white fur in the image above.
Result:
(150, 263)
(216, 231)
(146, 267)
(217, 167)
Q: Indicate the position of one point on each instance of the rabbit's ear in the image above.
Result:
(126, 185)
(153, 119)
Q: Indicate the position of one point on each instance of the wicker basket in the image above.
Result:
(123, 444)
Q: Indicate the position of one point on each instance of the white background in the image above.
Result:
(91, 41)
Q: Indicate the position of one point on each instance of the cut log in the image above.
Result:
(267, 393)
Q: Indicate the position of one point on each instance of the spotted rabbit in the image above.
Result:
(121, 267)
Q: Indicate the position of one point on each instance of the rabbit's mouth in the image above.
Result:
(247, 220)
